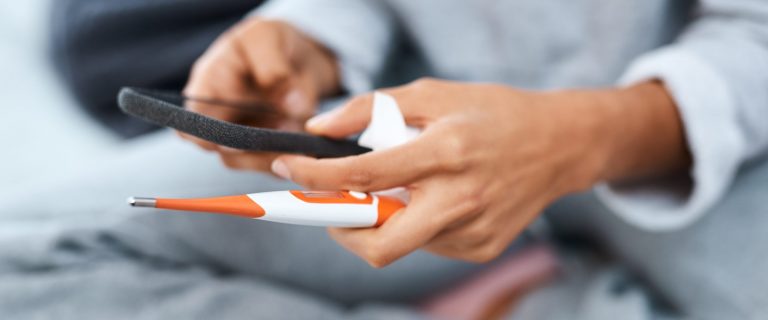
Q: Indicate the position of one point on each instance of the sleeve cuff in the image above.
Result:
(360, 34)
(708, 111)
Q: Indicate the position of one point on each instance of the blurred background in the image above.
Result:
(63, 67)
(42, 131)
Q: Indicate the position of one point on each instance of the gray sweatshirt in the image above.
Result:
(712, 55)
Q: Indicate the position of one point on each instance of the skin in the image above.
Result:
(490, 157)
(260, 61)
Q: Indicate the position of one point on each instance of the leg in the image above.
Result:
(125, 289)
(301, 257)
(713, 269)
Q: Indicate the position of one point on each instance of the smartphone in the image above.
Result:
(166, 108)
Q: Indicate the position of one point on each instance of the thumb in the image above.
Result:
(343, 121)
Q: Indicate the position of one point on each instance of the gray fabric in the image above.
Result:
(531, 44)
(86, 254)
(588, 289)
(710, 270)
(124, 289)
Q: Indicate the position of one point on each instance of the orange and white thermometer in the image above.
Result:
(313, 208)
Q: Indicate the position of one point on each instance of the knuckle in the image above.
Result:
(452, 155)
(377, 263)
(375, 254)
(472, 201)
(358, 180)
(487, 253)
(467, 202)
(476, 233)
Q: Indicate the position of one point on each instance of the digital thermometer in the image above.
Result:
(312, 208)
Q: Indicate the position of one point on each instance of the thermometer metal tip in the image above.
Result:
(142, 202)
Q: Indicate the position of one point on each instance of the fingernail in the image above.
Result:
(295, 102)
(317, 122)
(280, 169)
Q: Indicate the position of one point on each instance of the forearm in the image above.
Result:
(716, 74)
(619, 134)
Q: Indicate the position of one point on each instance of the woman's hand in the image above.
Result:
(260, 61)
(489, 159)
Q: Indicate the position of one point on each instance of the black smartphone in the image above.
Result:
(166, 108)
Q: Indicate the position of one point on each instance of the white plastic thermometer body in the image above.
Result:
(313, 208)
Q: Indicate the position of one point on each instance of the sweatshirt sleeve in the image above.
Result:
(359, 32)
(717, 73)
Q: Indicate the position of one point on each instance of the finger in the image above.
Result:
(458, 248)
(265, 51)
(218, 75)
(452, 251)
(254, 161)
(478, 253)
(268, 56)
(476, 242)
(403, 233)
(220, 72)
(372, 171)
(348, 119)
(467, 232)
(355, 114)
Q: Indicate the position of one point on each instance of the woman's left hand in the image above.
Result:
(488, 161)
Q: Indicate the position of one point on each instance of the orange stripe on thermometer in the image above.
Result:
(315, 208)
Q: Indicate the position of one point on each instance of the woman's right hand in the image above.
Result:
(263, 61)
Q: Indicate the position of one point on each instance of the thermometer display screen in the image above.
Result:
(323, 194)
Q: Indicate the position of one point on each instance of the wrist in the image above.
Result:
(617, 134)
(583, 135)
(641, 132)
